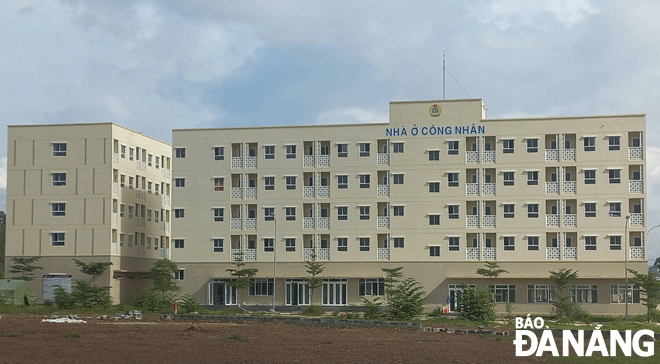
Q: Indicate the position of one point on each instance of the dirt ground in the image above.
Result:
(25, 339)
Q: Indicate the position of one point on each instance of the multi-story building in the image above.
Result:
(93, 192)
(439, 190)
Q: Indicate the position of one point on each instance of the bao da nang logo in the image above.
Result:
(435, 110)
(625, 343)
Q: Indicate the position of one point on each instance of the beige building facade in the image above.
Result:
(93, 192)
(439, 190)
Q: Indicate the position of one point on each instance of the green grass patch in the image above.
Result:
(72, 334)
(13, 334)
(313, 310)
(236, 337)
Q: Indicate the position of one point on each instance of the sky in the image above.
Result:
(157, 65)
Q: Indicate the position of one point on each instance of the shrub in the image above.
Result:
(475, 305)
(189, 304)
(406, 300)
(313, 310)
(152, 301)
(371, 308)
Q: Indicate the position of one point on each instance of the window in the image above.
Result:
(434, 155)
(342, 213)
(59, 149)
(342, 244)
(532, 145)
(619, 295)
(130, 212)
(615, 242)
(434, 251)
(290, 244)
(533, 210)
(507, 146)
(178, 275)
(452, 179)
(179, 243)
(503, 293)
(453, 211)
(454, 243)
(218, 153)
(434, 187)
(532, 178)
(150, 160)
(615, 176)
(342, 150)
(156, 216)
(399, 242)
(157, 162)
(58, 208)
(452, 147)
(121, 239)
(434, 219)
(615, 209)
(508, 178)
(56, 239)
(364, 212)
(371, 287)
(269, 244)
(179, 152)
(364, 244)
(290, 182)
(590, 177)
(218, 184)
(290, 213)
(269, 152)
(178, 213)
(261, 287)
(399, 210)
(615, 142)
(364, 180)
(342, 181)
(584, 293)
(179, 182)
(269, 213)
(59, 179)
(122, 180)
(364, 149)
(123, 151)
(218, 245)
(121, 210)
(269, 183)
(218, 214)
(397, 147)
(509, 243)
(540, 293)
(589, 144)
(131, 151)
(590, 209)
(590, 242)
(290, 151)
(509, 211)
(532, 243)
(397, 179)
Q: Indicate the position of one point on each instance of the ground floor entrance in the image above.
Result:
(220, 293)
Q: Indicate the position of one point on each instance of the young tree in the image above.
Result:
(93, 269)
(475, 305)
(23, 265)
(243, 277)
(491, 271)
(392, 278)
(406, 300)
(162, 274)
(564, 305)
(314, 268)
(650, 287)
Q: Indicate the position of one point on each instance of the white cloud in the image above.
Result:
(352, 115)
(505, 14)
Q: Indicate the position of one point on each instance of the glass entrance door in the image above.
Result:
(297, 292)
(334, 292)
(223, 294)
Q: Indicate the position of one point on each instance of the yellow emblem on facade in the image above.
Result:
(435, 110)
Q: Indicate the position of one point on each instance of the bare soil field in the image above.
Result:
(25, 339)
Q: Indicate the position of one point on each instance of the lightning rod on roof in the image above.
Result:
(443, 74)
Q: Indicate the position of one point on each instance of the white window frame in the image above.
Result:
(342, 150)
(508, 146)
(398, 178)
(218, 214)
(365, 242)
(290, 182)
(508, 178)
(342, 181)
(614, 175)
(180, 182)
(434, 219)
(532, 178)
(365, 212)
(365, 149)
(218, 245)
(589, 144)
(532, 210)
(290, 151)
(179, 152)
(58, 208)
(59, 149)
(533, 243)
(399, 242)
(434, 155)
(269, 152)
(453, 211)
(342, 212)
(614, 142)
(511, 213)
(57, 238)
(532, 145)
(290, 244)
(290, 213)
(179, 243)
(590, 242)
(399, 210)
(179, 213)
(434, 187)
(342, 244)
(57, 179)
(365, 180)
(453, 147)
(509, 243)
(219, 153)
(398, 147)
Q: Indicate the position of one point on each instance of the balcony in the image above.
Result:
(383, 222)
(250, 254)
(115, 187)
(489, 221)
(489, 189)
(250, 224)
(236, 223)
(251, 162)
(324, 223)
(552, 253)
(309, 191)
(115, 158)
(489, 156)
(323, 254)
(308, 223)
(472, 189)
(551, 155)
(165, 173)
(308, 253)
(570, 253)
(323, 161)
(383, 190)
(637, 252)
(569, 220)
(490, 253)
(568, 154)
(635, 153)
(383, 159)
(236, 162)
(552, 220)
(637, 185)
(472, 253)
(251, 192)
(113, 249)
(114, 217)
(552, 188)
(569, 187)
(637, 219)
(164, 253)
(324, 191)
(308, 161)
(472, 156)
(237, 192)
(472, 221)
(383, 253)
(235, 254)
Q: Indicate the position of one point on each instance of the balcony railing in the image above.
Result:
(637, 252)
(472, 253)
(489, 189)
(472, 189)
(569, 187)
(570, 253)
(383, 190)
(552, 253)
(113, 249)
(552, 220)
(236, 162)
(308, 161)
(324, 191)
(552, 188)
(383, 222)
(164, 253)
(308, 253)
(250, 254)
(114, 217)
(490, 253)
(115, 158)
(235, 254)
(324, 223)
(635, 153)
(383, 253)
(323, 254)
(637, 219)
(251, 162)
(488, 221)
(551, 155)
(308, 222)
(489, 156)
(383, 158)
(637, 185)
(568, 154)
(250, 224)
(569, 220)
(237, 192)
(472, 221)
(115, 187)
(251, 192)
(472, 156)
(309, 191)
(236, 223)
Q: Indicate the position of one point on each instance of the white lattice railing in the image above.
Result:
(472, 221)
(308, 161)
(236, 223)
(636, 186)
(637, 219)
(569, 187)
(490, 253)
(472, 253)
(552, 253)
(115, 158)
(251, 162)
(167, 226)
(383, 253)
(568, 154)
(114, 217)
(635, 153)
(383, 158)
(115, 187)
(113, 249)
(324, 160)
(383, 222)
(235, 254)
(552, 220)
(250, 224)
(324, 223)
(383, 190)
(324, 191)
(137, 193)
(551, 155)
(308, 253)
(237, 192)
(142, 222)
(489, 156)
(236, 162)
(569, 220)
(138, 165)
(471, 189)
(472, 156)
(489, 189)
(308, 222)
(309, 192)
(250, 254)
(165, 173)
(164, 253)
(636, 252)
(488, 221)
(251, 192)
(570, 253)
(552, 188)
(323, 254)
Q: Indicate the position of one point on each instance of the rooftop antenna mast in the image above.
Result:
(443, 74)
